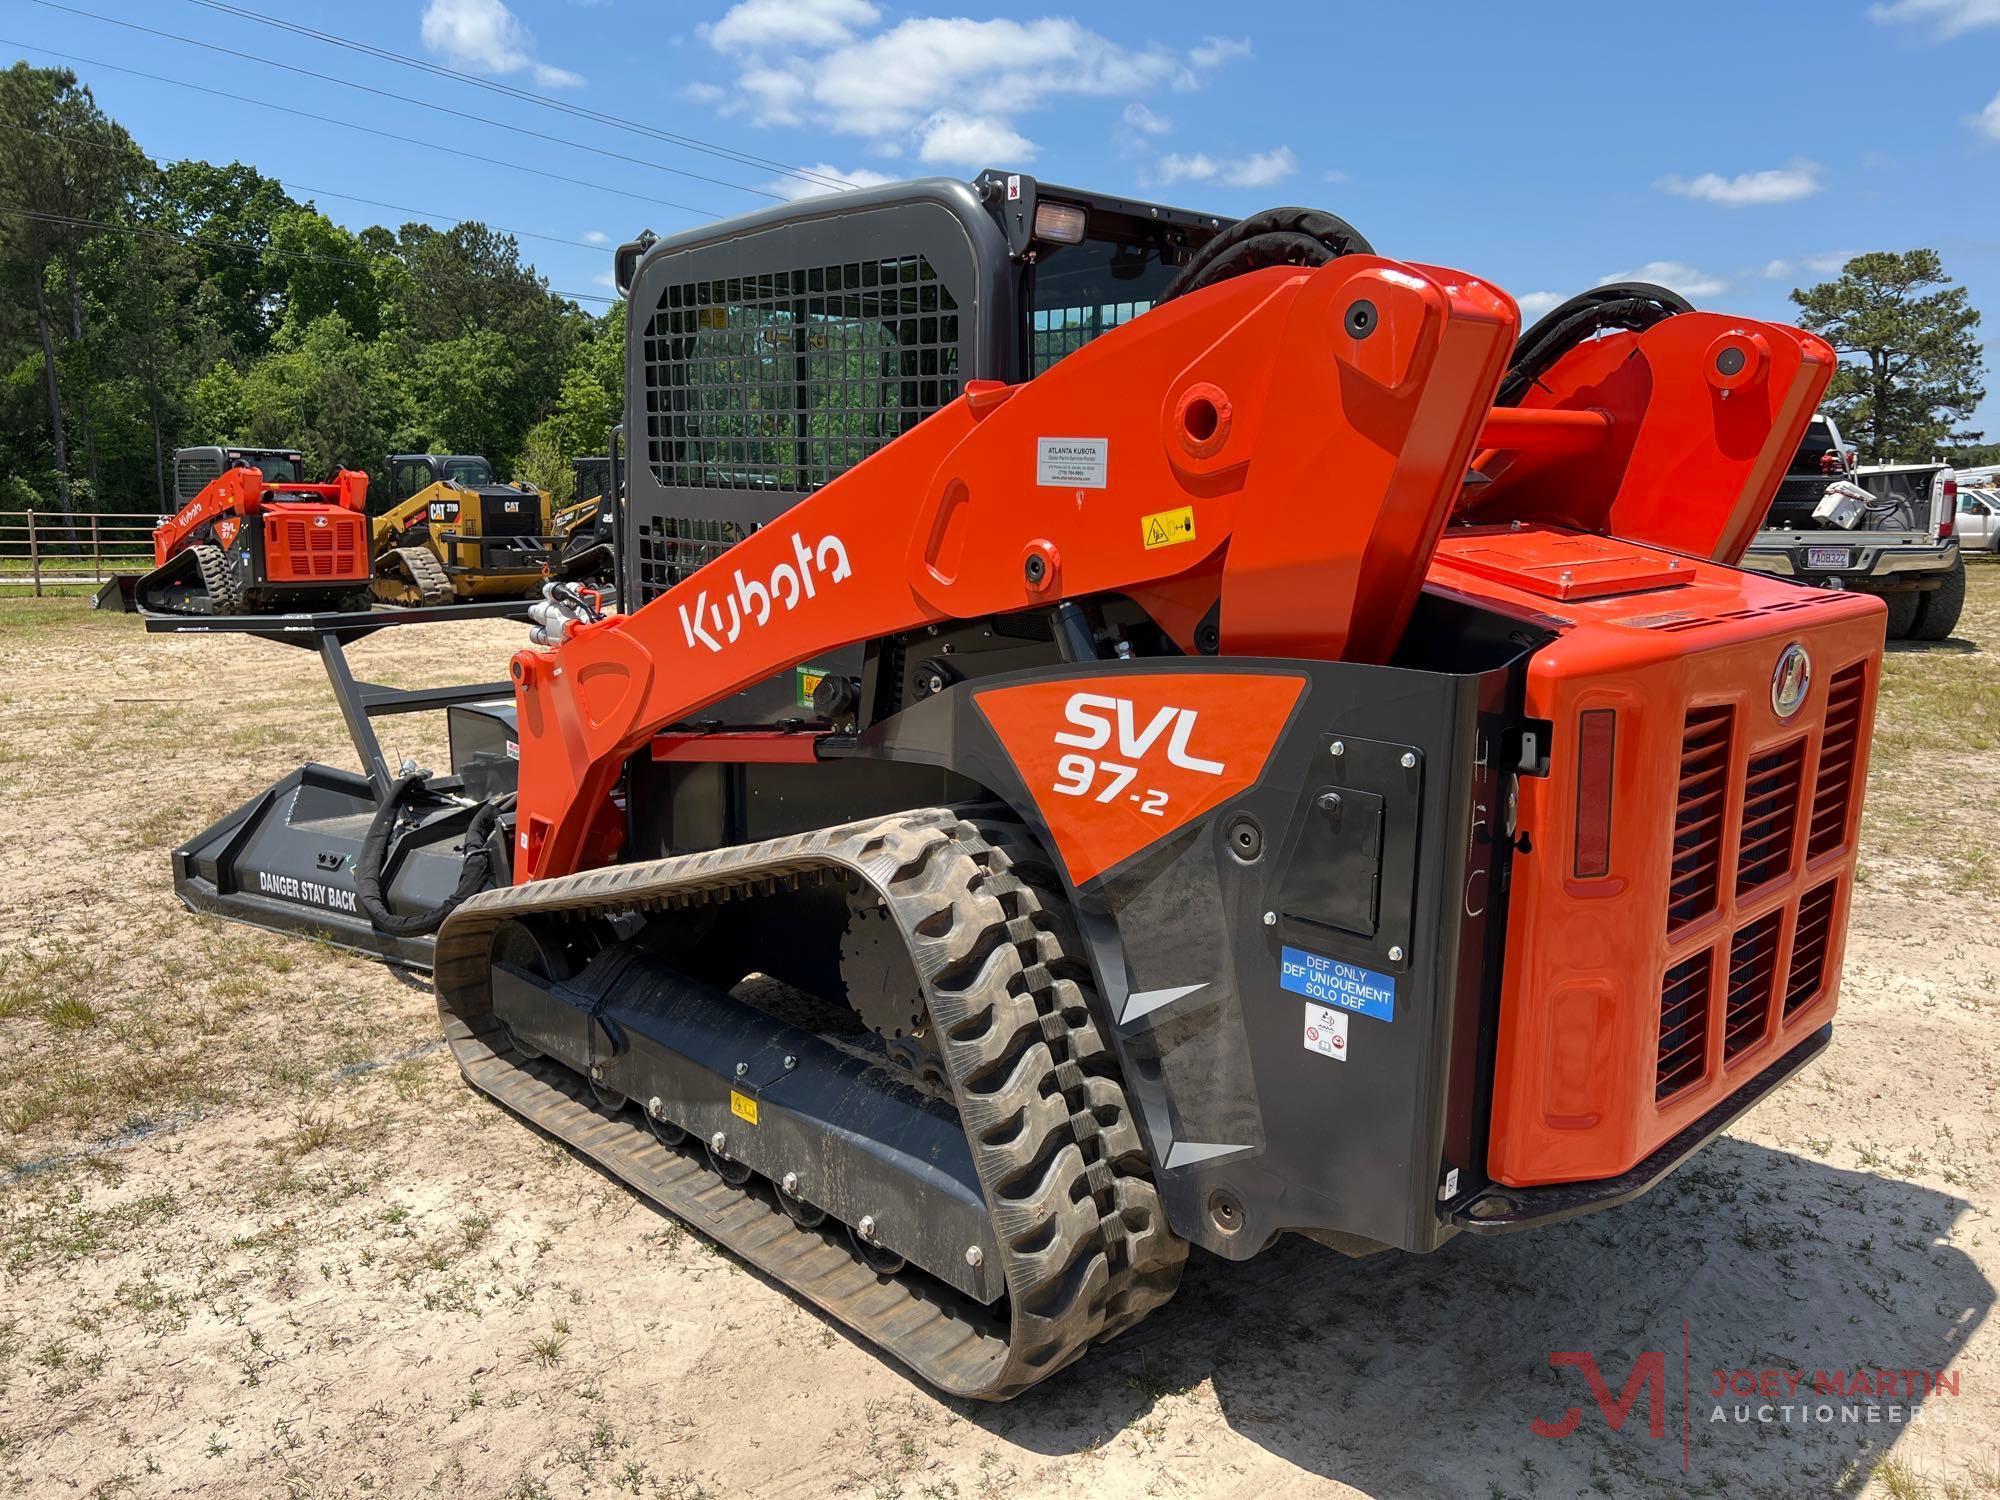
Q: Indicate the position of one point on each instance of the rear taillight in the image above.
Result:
(1949, 519)
(1597, 731)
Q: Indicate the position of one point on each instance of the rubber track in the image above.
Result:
(1085, 1247)
(424, 573)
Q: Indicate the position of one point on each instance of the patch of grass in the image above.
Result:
(70, 1013)
(547, 1349)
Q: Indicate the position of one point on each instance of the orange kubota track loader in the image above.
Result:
(257, 538)
(1134, 731)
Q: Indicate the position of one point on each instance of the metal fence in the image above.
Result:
(41, 549)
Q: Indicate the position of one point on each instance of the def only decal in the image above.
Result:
(1334, 982)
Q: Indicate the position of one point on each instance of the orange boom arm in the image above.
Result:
(1287, 445)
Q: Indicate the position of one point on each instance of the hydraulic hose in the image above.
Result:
(1633, 305)
(1274, 237)
(475, 875)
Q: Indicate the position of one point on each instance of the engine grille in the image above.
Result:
(495, 519)
(1753, 973)
(306, 550)
(1808, 969)
(1683, 1054)
(1833, 789)
(1698, 813)
(1770, 816)
(1776, 935)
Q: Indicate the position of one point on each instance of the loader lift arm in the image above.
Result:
(1317, 546)
(1309, 431)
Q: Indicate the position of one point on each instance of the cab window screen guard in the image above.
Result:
(784, 380)
(1081, 291)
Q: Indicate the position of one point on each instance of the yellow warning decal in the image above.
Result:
(1164, 528)
(743, 1106)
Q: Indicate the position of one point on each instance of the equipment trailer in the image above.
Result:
(1091, 672)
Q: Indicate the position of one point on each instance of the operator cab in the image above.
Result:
(412, 473)
(196, 468)
(770, 355)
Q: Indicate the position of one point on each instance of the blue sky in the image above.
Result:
(1733, 151)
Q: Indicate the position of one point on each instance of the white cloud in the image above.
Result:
(605, 278)
(1140, 118)
(973, 141)
(703, 93)
(1988, 121)
(777, 95)
(596, 237)
(1214, 51)
(1262, 169)
(761, 25)
(1825, 263)
(1946, 18)
(1674, 275)
(795, 188)
(1534, 304)
(486, 37)
(943, 85)
(1778, 185)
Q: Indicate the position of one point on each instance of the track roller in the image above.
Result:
(996, 1227)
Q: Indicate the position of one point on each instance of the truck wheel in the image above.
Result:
(1938, 611)
(1902, 613)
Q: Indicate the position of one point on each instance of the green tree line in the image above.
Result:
(148, 306)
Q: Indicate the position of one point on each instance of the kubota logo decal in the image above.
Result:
(1117, 761)
(1790, 680)
(751, 601)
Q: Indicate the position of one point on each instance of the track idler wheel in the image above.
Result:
(735, 1173)
(878, 1258)
(609, 1099)
(665, 1131)
(801, 1212)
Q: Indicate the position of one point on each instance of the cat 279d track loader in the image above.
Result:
(450, 531)
(1133, 731)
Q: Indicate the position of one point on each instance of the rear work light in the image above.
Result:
(1596, 740)
(1059, 223)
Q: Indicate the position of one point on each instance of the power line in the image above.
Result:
(387, 135)
(527, 96)
(262, 253)
(294, 185)
(442, 109)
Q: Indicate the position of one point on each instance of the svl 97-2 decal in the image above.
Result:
(1118, 761)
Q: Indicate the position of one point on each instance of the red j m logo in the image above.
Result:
(1649, 1375)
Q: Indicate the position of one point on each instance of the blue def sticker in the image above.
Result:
(1332, 982)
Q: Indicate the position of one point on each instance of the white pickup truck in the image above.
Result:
(1901, 545)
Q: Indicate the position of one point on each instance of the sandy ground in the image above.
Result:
(256, 1238)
